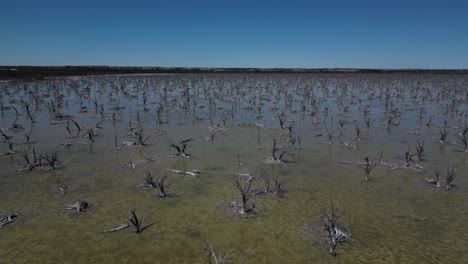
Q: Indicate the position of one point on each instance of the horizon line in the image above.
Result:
(239, 68)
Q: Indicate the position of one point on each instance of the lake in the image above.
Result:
(108, 132)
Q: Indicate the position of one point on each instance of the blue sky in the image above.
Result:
(287, 34)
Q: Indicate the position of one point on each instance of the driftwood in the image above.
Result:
(408, 164)
(117, 228)
(348, 145)
(217, 128)
(251, 125)
(9, 218)
(133, 164)
(417, 219)
(194, 173)
(356, 163)
(63, 189)
(80, 206)
(340, 144)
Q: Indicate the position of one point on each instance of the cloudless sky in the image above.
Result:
(236, 33)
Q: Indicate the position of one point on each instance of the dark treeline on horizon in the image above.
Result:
(44, 72)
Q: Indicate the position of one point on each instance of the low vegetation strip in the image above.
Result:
(45, 72)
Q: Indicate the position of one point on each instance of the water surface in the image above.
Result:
(380, 214)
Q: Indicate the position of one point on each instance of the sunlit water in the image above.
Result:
(380, 214)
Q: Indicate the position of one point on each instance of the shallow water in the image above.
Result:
(380, 214)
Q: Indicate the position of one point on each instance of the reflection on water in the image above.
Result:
(244, 112)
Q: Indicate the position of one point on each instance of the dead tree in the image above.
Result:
(149, 180)
(137, 223)
(333, 233)
(141, 138)
(443, 136)
(76, 125)
(272, 184)
(266, 181)
(28, 138)
(295, 140)
(91, 135)
(419, 151)
(282, 119)
(463, 138)
(181, 147)
(244, 185)
(224, 116)
(330, 137)
(358, 133)
(449, 178)
(275, 150)
(341, 124)
(70, 135)
(279, 186)
(30, 165)
(435, 180)
(162, 186)
(51, 159)
(116, 144)
(368, 123)
(409, 158)
(218, 259)
(25, 155)
(10, 149)
(158, 183)
(369, 165)
(7, 138)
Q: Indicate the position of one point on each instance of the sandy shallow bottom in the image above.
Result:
(380, 214)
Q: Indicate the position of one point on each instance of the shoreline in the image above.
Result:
(104, 75)
(11, 73)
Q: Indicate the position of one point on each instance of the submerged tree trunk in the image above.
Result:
(244, 205)
(162, 192)
(333, 240)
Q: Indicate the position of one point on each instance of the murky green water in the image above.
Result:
(197, 212)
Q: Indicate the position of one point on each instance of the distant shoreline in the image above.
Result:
(47, 72)
(106, 75)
